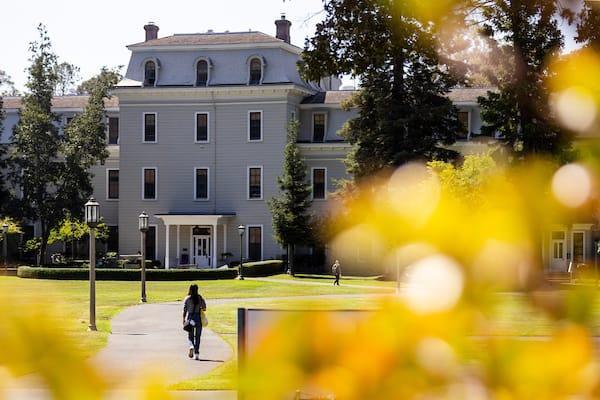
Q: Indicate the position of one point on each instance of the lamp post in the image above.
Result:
(143, 225)
(241, 230)
(5, 245)
(92, 211)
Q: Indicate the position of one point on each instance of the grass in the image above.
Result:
(512, 315)
(373, 281)
(72, 299)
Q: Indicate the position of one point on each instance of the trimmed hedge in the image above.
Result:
(125, 274)
(262, 268)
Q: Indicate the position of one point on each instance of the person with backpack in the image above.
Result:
(193, 308)
(337, 271)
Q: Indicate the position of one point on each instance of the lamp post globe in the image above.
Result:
(143, 226)
(92, 217)
(5, 244)
(241, 231)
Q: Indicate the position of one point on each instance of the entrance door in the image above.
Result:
(201, 251)
(558, 262)
(578, 250)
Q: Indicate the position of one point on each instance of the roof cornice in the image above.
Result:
(243, 90)
(207, 47)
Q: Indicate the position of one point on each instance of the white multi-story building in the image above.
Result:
(196, 132)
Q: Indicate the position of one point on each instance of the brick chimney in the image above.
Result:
(151, 31)
(283, 29)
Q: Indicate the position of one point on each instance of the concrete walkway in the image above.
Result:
(299, 281)
(151, 335)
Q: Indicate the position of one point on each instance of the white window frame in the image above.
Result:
(262, 69)
(313, 126)
(207, 184)
(572, 247)
(108, 198)
(262, 240)
(312, 183)
(262, 126)
(209, 67)
(468, 111)
(207, 127)
(108, 130)
(156, 242)
(156, 68)
(155, 183)
(155, 127)
(262, 189)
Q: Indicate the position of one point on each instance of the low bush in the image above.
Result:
(262, 268)
(125, 274)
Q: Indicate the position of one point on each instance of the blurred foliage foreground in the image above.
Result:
(460, 235)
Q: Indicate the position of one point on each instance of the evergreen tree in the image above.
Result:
(404, 112)
(524, 35)
(4, 195)
(52, 170)
(291, 222)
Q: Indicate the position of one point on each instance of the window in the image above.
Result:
(254, 243)
(151, 243)
(201, 183)
(255, 126)
(149, 127)
(319, 186)
(112, 244)
(463, 119)
(112, 176)
(319, 120)
(202, 73)
(149, 184)
(202, 127)
(113, 130)
(150, 73)
(255, 183)
(255, 71)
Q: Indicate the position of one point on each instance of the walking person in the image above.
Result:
(337, 271)
(193, 305)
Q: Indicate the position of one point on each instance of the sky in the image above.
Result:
(91, 34)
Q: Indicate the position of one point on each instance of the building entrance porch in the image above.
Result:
(194, 240)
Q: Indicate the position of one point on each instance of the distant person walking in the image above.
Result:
(193, 305)
(337, 271)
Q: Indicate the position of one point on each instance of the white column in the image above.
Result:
(167, 261)
(225, 238)
(214, 246)
(178, 245)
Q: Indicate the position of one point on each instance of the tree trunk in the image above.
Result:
(290, 270)
(44, 245)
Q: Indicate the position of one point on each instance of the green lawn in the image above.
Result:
(512, 315)
(344, 281)
(111, 297)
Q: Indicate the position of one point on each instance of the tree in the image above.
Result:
(404, 113)
(110, 75)
(588, 25)
(68, 75)
(524, 35)
(4, 194)
(53, 170)
(291, 222)
(7, 86)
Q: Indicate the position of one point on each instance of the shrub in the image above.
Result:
(125, 274)
(263, 268)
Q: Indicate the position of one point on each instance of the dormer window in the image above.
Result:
(256, 71)
(150, 73)
(202, 73)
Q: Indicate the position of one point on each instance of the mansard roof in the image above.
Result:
(456, 95)
(75, 101)
(209, 39)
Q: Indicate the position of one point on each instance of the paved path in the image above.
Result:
(325, 283)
